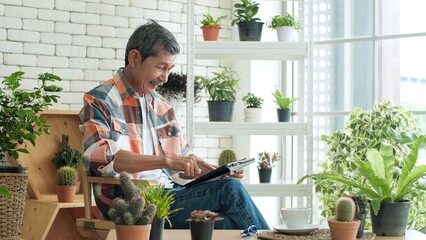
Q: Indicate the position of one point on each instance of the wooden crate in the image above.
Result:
(41, 171)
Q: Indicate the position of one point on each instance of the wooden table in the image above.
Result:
(235, 234)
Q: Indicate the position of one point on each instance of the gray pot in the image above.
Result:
(250, 31)
(220, 111)
(391, 220)
(201, 230)
(157, 229)
(283, 115)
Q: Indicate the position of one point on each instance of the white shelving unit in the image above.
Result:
(281, 51)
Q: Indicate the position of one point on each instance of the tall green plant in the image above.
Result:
(19, 112)
(222, 86)
(363, 131)
(377, 179)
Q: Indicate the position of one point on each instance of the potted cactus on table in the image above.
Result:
(343, 226)
(132, 217)
(67, 179)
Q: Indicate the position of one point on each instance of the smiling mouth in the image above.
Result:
(156, 83)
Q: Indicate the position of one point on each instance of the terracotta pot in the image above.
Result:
(132, 232)
(210, 33)
(343, 230)
(65, 193)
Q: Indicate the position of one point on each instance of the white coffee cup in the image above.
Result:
(295, 217)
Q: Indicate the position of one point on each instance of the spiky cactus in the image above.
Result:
(131, 210)
(345, 209)
(67, 176)
(227, 156)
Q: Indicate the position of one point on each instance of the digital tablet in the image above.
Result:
(220, 171)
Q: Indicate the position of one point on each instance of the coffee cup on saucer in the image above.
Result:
(295, 218)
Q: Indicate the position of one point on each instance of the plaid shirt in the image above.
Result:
(112, 118)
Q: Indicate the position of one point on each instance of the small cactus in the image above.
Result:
(67, 176)
(345, 209)
(227, 156)
(131, 210)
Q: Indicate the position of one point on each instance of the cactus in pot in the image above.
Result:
(67, 178)
(132, 216)
(131, 209)
(345, 209)
(343, 226)
(227, 156)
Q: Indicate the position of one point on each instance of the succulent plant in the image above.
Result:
(131, 210)
(67, 176)
(227, 156)
(67, 156)
(267, 159)
(345, 209)
(204, 216)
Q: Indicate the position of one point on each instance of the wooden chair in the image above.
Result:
(89, 226)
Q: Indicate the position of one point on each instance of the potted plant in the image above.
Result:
(131, 215)
(201, 224)
(174, 90)
(343, 226)
(253, 110)
(249, 26)
(360, 213)
(67, 156)
(67, 178)
(211, 27)
(222, 88)
(387, 188)
(285, 25)
(284, 105)
(266, 161)
(361, 132)
(20, 123)
(163, 199)
(227, 156)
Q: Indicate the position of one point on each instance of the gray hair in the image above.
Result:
(149, 39)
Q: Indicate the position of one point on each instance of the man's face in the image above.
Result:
(149, 74)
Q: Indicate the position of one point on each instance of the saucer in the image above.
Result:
(296, 231)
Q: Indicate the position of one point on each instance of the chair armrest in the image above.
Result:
(116, 181)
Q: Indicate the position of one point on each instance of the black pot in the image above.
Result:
(283, 115)
(157, 229)
(265, 175)
(391, 220)
(13, 169)
(220, 111)
(250, 31)
(201, 230)
(361, 218)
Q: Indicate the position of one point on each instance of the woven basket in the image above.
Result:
(12, 209)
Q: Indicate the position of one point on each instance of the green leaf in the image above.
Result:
(5, 192)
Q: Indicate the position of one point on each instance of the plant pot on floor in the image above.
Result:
(12, 209)
(265, 175)
(220, 111)
(210, 32)
(343, 230)
(250, 31)
(201, 230)
(157, 229)
(391, 220)
(132, 232)
(283, 115)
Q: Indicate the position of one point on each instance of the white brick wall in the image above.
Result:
(83, 41)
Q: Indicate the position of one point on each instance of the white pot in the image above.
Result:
(252, 114)
(285, 34)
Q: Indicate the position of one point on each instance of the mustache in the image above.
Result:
(158, 83)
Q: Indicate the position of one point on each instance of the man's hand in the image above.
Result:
(236, 174)
(188, 166)
(203, 165)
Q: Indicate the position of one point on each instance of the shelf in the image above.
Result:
(247, 128)
(278, 189)
(251, 50)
